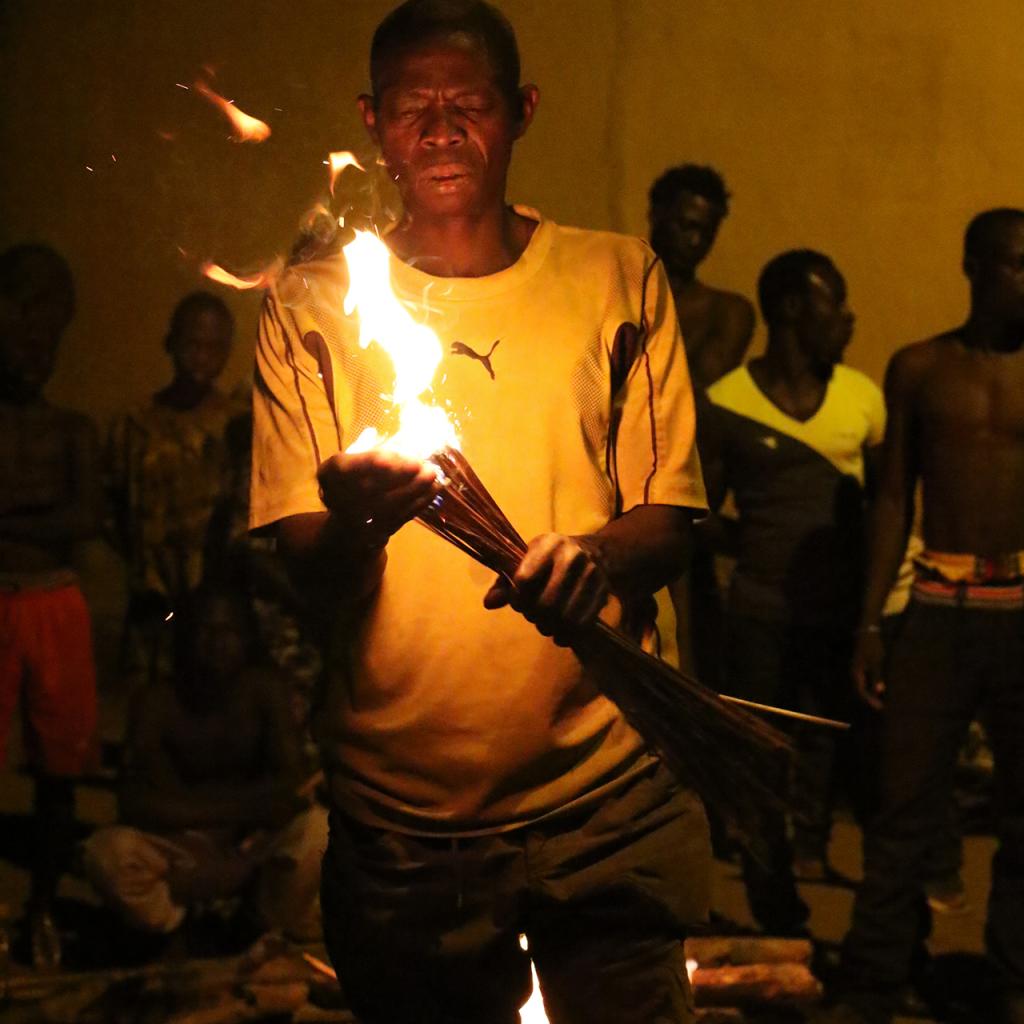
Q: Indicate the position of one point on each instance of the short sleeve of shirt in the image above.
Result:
(656, 450)
(294, 422)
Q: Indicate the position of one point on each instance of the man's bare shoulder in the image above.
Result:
(913, 362)
(733, 318)
(731, 303)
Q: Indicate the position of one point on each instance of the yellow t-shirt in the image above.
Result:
(442, 717)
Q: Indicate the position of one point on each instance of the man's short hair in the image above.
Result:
(419, 21)
(31, 274)
(193, 304)
(788, 274)
(982, 229)
(694, 178)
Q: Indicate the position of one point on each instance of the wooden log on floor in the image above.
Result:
(755, 984)
(720, 1015)
(213, 972)
(191, 992)
(714, 951)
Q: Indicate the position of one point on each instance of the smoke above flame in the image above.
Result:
(245, 127)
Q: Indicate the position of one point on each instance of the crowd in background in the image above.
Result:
(218, 768)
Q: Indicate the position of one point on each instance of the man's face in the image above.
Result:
(825, 322)
(445, 128)
(998, 274)
(684, 232)
(220, 643)
(30, 330)
(200, 350)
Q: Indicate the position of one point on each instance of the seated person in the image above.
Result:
(212, 799)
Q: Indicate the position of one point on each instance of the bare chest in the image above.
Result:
(220, 746)
(35, 461)
(699, 321)
(975, 397)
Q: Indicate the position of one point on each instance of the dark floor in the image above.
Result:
(92, 938)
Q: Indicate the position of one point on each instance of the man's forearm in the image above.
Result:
(889, 531)
(327, 561)
(645, 549)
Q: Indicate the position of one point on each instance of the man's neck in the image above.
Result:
(183, 394)
(681, 277)
(789, 378)
(988, 333)
(470, 246)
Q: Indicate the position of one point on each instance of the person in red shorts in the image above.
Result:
(48, 501)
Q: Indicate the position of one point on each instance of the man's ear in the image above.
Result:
(529, 97)
(970, 266)
(368, 111)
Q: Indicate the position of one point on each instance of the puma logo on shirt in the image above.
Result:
(461, 349)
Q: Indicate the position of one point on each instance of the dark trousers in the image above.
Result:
(426, 931)
(948, 662)
(944, 861)
(804, 668)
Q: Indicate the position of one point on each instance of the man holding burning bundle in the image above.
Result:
(481, 785)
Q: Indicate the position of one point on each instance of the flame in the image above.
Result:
(338, 162)
(691, 968)
(532, 1011)
(217, 273)
(246, 128)
(414, 349)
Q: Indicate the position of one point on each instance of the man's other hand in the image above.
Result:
(560, 586)
(867, 669)
(374, 493)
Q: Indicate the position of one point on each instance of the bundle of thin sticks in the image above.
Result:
(733, 759)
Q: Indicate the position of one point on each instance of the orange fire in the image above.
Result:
(414, 349)
(261, 279)
(338, 162)
(532, 1011)
(246, 128)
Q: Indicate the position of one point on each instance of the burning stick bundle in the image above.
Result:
(732, 758)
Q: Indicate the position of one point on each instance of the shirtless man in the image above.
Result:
(212, 795)
(687, 206)
(48, 500)
(956, 423)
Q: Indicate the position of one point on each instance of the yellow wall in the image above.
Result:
(867, 128)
